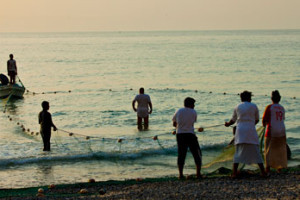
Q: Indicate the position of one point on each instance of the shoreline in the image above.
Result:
(218, 185)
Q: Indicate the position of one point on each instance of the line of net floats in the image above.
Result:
(201, 129)
(130, 89)
(49, 92)
(119, 139)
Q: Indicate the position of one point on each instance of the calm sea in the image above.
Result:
(104, 70)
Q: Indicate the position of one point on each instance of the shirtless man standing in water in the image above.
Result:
(144, 103)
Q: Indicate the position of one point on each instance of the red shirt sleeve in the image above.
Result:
(267, 119)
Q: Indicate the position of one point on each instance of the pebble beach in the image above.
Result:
(219, 185)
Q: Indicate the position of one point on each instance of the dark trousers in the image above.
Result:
(46, 140)
(146, 122)
(185, 141)
(12, 76)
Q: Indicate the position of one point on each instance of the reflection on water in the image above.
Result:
(46, 170)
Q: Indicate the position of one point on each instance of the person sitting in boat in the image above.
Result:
(12, 69)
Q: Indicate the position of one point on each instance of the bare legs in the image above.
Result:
(262, 169)
(12, 79)
(180, 168)
(236, 165)
(198, 173)
(234, 170)
(146, 122)
(268, 169)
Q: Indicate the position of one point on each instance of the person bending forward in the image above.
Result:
(246, 140)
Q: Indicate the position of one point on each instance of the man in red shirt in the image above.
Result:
(275, 136)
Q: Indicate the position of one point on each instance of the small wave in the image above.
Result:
(293, 141)
(101, 155)
(59, 113)
(291, 81)
(214, 147)
(296, 129)
(116, 112)
(105, 156)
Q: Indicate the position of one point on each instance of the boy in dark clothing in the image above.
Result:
(45, 120)
(12, 69)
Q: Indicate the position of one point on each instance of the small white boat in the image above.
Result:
(16, 90)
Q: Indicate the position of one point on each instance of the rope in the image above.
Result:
(119, 139)
(153, 89)
(226, 155)
(88, 145)
(213, 126)
(8, 98)
(159, 144)
(49, 92)
(20, 81)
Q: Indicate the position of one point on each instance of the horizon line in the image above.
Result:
(171, 30)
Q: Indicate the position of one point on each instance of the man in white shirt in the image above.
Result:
(143, 109)
(246, 140)
(184, 120)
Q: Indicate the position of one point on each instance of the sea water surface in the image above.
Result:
(91, 78)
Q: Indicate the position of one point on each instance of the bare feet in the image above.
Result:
(265, 175)
(233, 176)
(200, 176)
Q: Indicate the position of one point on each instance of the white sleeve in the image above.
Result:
(234, 115)
(174, 117)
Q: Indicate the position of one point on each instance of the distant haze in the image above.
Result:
(144, 15)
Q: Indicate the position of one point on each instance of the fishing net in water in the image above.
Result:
(89, 144)
(74, 143)
(228, 152)
(70, 143)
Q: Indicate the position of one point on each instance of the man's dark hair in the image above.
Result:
(142, 90)
(189, 102)
(45, 104)
(246, 96)
(275, 96)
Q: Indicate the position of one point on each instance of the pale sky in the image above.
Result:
(145, 15)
